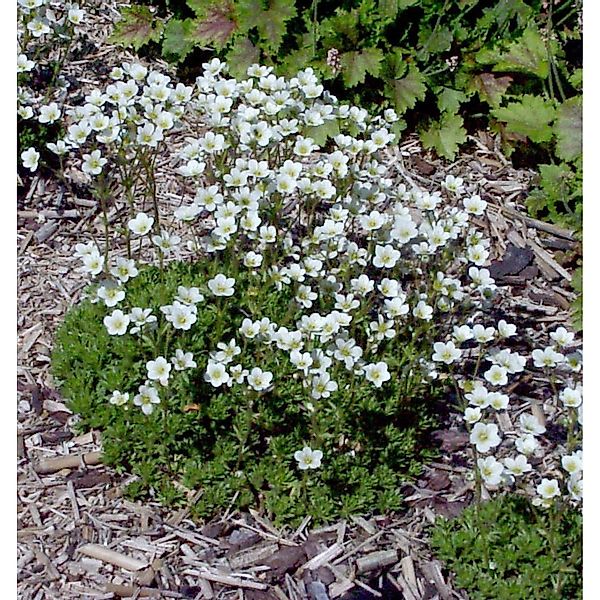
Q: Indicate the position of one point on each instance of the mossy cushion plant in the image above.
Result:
(287, 364)
(506, 549)
(223, 441)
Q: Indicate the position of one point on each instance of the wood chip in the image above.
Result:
(114, 558)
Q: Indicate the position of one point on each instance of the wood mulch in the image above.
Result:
(78, 537)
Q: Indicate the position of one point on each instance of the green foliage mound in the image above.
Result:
(233, 446)
(506, 550)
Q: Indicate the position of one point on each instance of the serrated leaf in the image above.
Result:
(176, 40)
(320, 134)
(296, 60)
(532, 116)
(405, 92)
(526, 55)
(445, 136)
(216, 26)
(576, 79)
(272, 26)
(137, 27)
(355, 65)
(491, 88)
(568, 128)
(249, 13)
(242, 54)
(449, 100)
(436, 41)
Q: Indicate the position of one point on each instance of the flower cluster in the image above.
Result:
(324, 273)
(521, 456)
(45, 30)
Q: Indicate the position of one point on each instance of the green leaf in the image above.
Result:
(215, 26)
(526, 55)
(242, 54)
(355, 65)
(436, 41)
(568, 128)
(320, 134)
(445, 136)
(137, 27)
(491, 88)
(449, 100)
(576, 79)
(405, 92)
(272, 27)
(532, 116)
(176, 40)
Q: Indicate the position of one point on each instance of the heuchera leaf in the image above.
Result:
(216, 26)
(526, 55)
(568, 128)
(137, 27)
(531, 116)
(241, 55)
(490, 87)
(177, 38)
(272, 26)
(449, 100)
(445, 136)
(406, 91)
(355, 65)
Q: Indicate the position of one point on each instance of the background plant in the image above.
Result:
(446, 66)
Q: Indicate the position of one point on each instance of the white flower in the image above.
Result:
(93, 263)
(498, 401)
(30, 158)
(322, 386)
(93, 163)
(141, 224)
(472, 415)
(183, 360)
(377, 373)
(485, 437)
(445, 352)
(548, 357)
(490, 469)
(496, 375)
(159, 370)
(386, 257)
(483, 334)
(111, 294)
(308, 459)
(147, 398)
(527, 444)
(562, 337)
(118, 398)
(454, 184)
(474, 205)
(220, 285)
(506, 330)
(116, 323)
(572, 463)
(423, 311)
(216, 374)
(575, 487)
(548, 489)
(571, 397)
(182, 316)
(531, 425)
(49, 113)
(259, 380)
(462, 334)
(190, 295)
(124, 269)
(517, 466)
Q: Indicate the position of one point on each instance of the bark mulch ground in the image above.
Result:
(78, 537)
